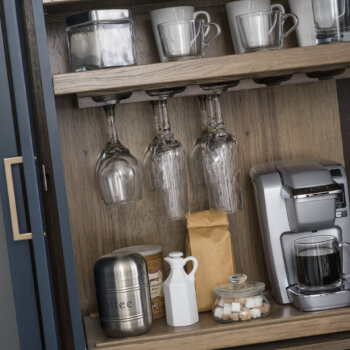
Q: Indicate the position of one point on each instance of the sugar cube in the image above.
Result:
(234, 316)
(253, 302)
(256, 313)
(218, 312)
(225, 317)
(245, 314)
(228, 300)
(221, 302)
(265, 308)
(227, 309)
(236, 307)
(240, 300)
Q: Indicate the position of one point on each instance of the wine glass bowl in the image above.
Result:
(118, 173)
(165, 160)
(220, 157)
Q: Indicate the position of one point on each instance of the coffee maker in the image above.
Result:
(297, 199)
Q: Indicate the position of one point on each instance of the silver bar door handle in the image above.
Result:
(17, 236)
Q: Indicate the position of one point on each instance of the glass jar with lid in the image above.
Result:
(240, 300)
(100, 39)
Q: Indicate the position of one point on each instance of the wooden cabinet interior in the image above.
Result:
(291, 122)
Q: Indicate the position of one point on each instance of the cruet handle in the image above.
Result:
(195, 265)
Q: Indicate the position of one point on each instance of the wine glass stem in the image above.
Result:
(212, 120)
(220, 123)
(204, 113)
(158, 123)
(163, 119)
(112, 127)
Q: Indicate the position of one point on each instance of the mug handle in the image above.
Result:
(295, 20)
(218, 32)
(206, 15)
(278, 7)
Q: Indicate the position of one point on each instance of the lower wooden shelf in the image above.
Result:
(285, 322)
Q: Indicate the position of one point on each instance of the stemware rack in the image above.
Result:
(206, 70)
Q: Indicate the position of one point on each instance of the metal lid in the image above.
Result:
(239, 287)
(120, 271)
(144, 250)
(98, 16)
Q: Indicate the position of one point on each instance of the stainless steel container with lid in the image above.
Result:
(101, 38)
(123, 294)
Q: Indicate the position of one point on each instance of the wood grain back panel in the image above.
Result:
(291, 122)
(145, 44)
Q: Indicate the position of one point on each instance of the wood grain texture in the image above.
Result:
(285, 322)
(205, 70)
(287, 122)
(292, 122)
(144, 41)
(58, 10)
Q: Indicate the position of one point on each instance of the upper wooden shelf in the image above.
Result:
(203, 71)
(285, 322)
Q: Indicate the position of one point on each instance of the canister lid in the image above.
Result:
(120, 270)
(239, 287)
(144, 250)
(98, 16)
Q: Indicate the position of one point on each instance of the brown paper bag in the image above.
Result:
(209, 241)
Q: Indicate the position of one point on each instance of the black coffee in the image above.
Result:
(318, 270)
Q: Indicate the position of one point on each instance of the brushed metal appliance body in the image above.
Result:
(123, 294)
(298, 199)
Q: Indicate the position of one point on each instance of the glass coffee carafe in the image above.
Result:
(318, 262)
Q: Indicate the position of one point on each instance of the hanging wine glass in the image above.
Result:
(117, 170)
(196, 159)
(147, 161)
(168, 161)
(221, 158)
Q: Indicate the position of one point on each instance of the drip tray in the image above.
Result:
(322, 301)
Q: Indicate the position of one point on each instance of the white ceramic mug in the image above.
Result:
(241, 7)
(170, 14)
(306, 29)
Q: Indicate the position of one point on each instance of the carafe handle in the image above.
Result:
(195, 265)
(341, 245)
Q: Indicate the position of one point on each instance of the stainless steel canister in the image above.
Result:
(123, 294)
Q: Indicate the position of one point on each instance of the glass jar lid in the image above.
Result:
(239, 287)
(98, 16)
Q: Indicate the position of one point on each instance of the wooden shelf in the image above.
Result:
(202, 71)
(285, 322)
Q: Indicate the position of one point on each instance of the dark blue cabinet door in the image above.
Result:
(20, 198)
(57, 179)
